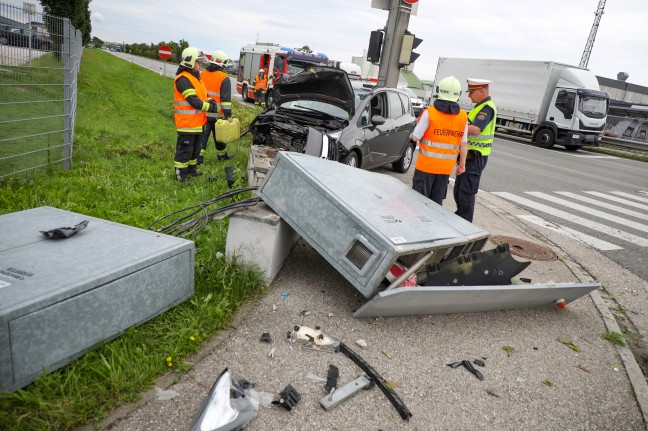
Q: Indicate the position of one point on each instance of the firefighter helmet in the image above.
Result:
(191, 55)
(261, 71)
(449, 88)
(220, 58)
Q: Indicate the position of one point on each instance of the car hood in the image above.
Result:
(324, 84)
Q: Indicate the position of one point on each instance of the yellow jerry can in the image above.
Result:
(227, 130)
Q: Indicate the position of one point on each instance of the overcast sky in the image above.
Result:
(547, 30)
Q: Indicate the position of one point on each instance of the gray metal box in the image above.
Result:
(361, 222)
(61, 297)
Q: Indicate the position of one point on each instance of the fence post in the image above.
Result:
(67, 96)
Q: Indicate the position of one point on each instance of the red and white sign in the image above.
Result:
(165, 52)
(410, 1)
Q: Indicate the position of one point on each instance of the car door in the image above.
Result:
(377, 137)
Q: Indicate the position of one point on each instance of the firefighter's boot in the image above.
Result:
(224, 156)
(192, 171)
(182, 175)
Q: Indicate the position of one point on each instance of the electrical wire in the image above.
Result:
(189, 225)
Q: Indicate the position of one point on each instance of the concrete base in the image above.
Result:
(258, 236)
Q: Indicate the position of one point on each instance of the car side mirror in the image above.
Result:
(377, 120)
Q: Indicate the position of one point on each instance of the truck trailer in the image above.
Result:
(553, 103)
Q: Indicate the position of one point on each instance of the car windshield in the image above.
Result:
(316, 106)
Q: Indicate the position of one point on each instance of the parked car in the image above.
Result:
(20, 37)
(319, 108)
(417, 103)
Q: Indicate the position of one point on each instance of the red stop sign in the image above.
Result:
(165, 52)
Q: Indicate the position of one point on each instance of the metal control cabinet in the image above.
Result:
(61, 297)
(361, 222)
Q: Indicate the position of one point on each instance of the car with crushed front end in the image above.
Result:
(320, 109)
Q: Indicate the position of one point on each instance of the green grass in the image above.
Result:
(123, 171)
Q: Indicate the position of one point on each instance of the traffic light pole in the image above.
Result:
(399, 14)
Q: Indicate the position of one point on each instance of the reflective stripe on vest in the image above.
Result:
(439, 145)
(213, 81)
(484, 140)
(187, 118)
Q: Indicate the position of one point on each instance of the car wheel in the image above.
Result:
(269, 99)
(405, 161)
(351, 159)
(4, 41)
(572, 147)
(545, 138)
(244, 94)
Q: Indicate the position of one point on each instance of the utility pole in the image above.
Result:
(399, 14)
(590, 40)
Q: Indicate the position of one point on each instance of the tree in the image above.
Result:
(305, 48)
(78, 12)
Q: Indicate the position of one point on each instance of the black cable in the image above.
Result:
(186, 223)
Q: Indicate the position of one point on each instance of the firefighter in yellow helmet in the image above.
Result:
(219, 89)
(260, 87)
(190, 105)
(441, 133)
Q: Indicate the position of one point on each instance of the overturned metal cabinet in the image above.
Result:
(61, 297)
(361, 222)
(364, 222)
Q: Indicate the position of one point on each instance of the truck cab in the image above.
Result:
(576, 115)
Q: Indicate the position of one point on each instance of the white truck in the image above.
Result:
(553, 103)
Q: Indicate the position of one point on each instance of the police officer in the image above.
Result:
(441, 133)
(219, 89)
(190, 105)
(481, 131)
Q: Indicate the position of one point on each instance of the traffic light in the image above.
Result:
(375, 46)
(407, 54)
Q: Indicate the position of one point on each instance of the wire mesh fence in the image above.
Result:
(40, 57)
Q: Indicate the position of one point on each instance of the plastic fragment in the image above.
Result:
(472, 369)
(362, 343)
(265, 337)
(479, 362)
(454, 364)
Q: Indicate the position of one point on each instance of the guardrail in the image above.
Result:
(625, 144)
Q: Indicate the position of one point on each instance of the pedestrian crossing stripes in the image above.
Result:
(605, 220)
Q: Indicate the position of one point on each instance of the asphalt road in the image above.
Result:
(585, 194)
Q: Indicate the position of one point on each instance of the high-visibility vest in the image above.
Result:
(484, 141)
(439, 145)
(260, 84)
(187, 118)
(213, 81)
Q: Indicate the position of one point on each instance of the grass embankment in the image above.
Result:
(123, 172)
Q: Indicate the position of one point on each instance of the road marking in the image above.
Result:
(616, 199)
(605, 205)
(571, 233)
(631, 196)
(590, 211)
(642, 242)
(594, 157)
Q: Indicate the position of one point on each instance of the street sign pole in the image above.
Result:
(165, 53)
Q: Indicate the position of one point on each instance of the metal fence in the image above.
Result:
(40, 57)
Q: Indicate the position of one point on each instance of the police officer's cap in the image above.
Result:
(476, 84)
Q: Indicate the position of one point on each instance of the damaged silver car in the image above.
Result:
(319, 112)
